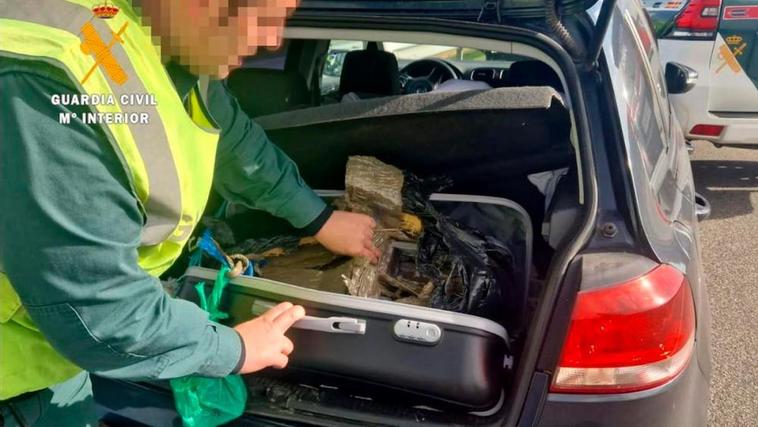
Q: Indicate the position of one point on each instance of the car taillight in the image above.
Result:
(699, 19)
(628, 337)
(707, 130)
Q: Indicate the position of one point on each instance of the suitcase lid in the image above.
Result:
(400, 310)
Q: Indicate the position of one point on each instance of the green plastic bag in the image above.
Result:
(209, 402)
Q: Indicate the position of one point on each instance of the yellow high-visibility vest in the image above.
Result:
(169, 160)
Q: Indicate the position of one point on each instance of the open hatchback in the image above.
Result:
(532, 109)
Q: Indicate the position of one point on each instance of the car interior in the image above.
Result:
(496, 123)
(335, 89)
(268, 84)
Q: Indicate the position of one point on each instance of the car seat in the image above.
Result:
(369, 73)
(534, 73)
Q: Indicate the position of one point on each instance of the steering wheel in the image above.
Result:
(424, 75)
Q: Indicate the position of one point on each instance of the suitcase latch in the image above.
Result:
(417, 332)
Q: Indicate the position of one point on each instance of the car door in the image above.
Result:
(734, 60)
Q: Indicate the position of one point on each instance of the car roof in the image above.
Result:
(451, 9)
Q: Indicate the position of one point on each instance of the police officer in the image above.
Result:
(92, 213)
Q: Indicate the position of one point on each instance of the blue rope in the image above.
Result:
(208, 246)
(249, 271)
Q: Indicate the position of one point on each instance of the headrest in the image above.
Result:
(534, 73)
(264, 91)
(370, 73)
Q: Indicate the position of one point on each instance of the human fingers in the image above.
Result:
(287, 346)
(366, 252)
(287, 318)
(279, 361)
(276, 310)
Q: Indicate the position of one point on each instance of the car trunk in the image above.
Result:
(504, 150)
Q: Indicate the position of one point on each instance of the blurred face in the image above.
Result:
(211, 36)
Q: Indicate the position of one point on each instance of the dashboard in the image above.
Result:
(427, 74)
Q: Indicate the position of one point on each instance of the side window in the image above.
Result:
(640, 86)
(649, 46)
(469, 54)
(635, 54)
(335, 58)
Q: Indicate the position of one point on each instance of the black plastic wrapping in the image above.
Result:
(472, 272)
(473, 268)
(416, 191)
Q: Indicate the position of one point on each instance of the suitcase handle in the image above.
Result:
(333, 324)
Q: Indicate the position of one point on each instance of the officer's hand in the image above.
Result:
(265, 343)
(350, 234)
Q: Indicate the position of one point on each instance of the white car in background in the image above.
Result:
(713, 42)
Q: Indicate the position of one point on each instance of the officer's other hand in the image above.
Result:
(265, 343)
(349, 233)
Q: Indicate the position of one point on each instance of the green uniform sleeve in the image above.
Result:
(70, 230)
(253, 171)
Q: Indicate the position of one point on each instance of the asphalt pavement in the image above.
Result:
(728, 178)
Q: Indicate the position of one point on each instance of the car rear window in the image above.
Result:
(635, 54)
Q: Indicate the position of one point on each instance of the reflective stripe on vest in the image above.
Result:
(169, 160)
(164, 200)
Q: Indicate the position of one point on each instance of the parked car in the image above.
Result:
(567, 117)
(714, 42)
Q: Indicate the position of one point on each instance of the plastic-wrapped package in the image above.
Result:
(363, 279)
(473, 269)
(491, 238)
(470, 271)
(375, 189)
(311, 266)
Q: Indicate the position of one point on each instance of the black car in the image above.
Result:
(560, 107)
